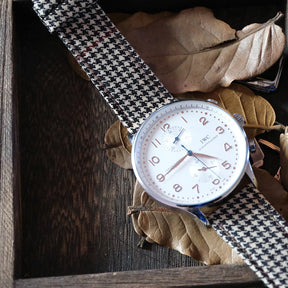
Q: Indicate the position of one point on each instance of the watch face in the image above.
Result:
(190, 153)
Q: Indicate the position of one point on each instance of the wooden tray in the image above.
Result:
(62, 202)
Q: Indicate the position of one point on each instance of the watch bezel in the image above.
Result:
(156, 195)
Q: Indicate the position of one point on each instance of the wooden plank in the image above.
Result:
(6, 147)
(216, 276)
(74, 199)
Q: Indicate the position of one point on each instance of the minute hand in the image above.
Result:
(203, 155)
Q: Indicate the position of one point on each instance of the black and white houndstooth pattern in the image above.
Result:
(259, 234)
(246, 221)
(120, 75)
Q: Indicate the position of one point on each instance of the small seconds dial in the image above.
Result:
(190, 153)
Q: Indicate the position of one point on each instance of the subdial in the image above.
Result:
(203, 172)
(173, 137)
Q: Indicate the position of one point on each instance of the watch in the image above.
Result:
(190, 154)
(186, 154)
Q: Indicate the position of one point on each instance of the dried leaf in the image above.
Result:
(118, 145)
(237, 98)
(194, 51)
(284, 158)
(180, 232)
(273, 191)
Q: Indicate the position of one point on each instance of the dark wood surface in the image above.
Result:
(212, 276)
(6, 147)
(73, 200)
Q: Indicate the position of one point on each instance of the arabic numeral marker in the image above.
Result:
(154, 160)
(177, 188)
(160, 177)
(226, 165)
(227, 147)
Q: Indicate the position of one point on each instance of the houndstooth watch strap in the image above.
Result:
(120, 75)
(258, 233)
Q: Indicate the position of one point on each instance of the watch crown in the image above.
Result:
(240, 119)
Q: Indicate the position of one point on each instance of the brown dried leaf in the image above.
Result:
(237, 98)
(118, 146)
(273, 191)
(180, 232)
(194, 51)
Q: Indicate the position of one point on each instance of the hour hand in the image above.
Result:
(206, 168)
(176, 164)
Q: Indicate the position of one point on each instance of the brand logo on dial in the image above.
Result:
(204, 139)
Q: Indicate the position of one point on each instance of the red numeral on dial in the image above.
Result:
(216, 181)
(160, 177)
(220, 130)
(154, 160)
(155, 143)
(203, 120)
(165, 127)
(177, 188)
(196, 187)
(226, 165)
(227, 147)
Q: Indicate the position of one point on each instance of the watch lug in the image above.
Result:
(200, 215)
(131, 138)
(250, 173)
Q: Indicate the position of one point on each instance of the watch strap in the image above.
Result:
(249, 223)
(118, 72)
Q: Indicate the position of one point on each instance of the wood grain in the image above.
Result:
(211, 276)
(74, 200)
(6, 147)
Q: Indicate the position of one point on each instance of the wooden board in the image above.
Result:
(6, 147)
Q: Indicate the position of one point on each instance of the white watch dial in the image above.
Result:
(189, 153)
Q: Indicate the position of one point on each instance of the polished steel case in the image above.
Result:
(136, 140)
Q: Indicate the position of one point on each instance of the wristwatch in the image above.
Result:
(186, 154)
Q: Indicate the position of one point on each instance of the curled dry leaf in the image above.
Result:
(182, 233)
(273, 191)
(118, 146)
(258, 113)
(284, 158)
(194, 51)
